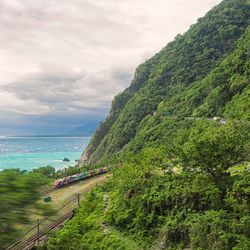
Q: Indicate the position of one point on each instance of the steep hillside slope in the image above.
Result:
(224, 92)
(178, 76)
(182, 180)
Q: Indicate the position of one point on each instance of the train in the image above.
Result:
(76, 177)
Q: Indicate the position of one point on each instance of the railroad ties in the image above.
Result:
(30, 242)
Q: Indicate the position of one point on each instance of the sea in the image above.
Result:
(27, 153)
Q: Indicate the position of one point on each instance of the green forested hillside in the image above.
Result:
(182, 66)
(180, 178)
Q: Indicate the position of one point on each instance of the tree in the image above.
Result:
(47, 171)
(211, 147)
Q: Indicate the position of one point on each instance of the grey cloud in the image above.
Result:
(71, 91)
(72, 56)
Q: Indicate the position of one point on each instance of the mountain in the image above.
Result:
(185, 78)
(86, 130)
(177, 143)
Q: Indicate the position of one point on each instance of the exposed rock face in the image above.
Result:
(84, 159)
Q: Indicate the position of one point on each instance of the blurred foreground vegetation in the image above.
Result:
(21, 193)
(19, 196)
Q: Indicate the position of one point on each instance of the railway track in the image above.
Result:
(30, 242)
(31, 237)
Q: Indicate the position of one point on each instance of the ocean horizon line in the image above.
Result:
(43, 136)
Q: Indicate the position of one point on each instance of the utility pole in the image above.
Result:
(38, 230)
(78, 199)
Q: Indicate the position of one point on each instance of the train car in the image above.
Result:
(91, 172)
(58, 183)
(73, 178)
(83, 175)
(103, 170)
(97, 171)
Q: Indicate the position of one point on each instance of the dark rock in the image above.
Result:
(66, 159)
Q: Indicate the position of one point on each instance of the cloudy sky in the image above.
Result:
(63, 61)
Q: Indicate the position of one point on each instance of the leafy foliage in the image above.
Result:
(47, 171)
(211, 147)
(19, 192)
(153, 202)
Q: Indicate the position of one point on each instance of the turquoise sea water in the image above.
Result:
(33, 152)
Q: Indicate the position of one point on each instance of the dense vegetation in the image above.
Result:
(181, 178)
(196, 200)
(19, 193)
(196, 74)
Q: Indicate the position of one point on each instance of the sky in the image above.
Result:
(63, 61)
